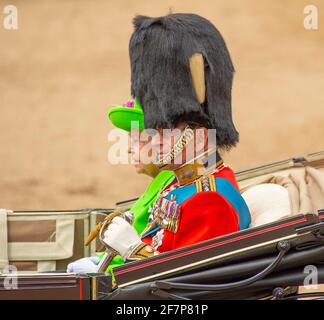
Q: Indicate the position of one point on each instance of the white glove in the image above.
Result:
(121, 236)
(84, 265)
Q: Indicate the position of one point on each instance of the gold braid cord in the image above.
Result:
(179, 146)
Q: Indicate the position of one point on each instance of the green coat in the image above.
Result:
(141, 207)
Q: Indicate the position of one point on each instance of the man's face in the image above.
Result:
(165, 139)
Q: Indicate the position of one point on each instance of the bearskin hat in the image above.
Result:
(160, 49)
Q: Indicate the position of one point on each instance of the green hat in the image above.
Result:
(129, 115)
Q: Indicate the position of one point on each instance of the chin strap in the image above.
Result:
(186, 136)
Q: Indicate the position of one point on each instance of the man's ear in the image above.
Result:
(197, 70)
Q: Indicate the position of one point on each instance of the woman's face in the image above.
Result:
(141, 153)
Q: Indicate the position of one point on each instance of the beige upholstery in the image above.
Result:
(267, 202)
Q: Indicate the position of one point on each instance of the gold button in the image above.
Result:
(148, 249)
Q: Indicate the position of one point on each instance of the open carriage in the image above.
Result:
(269, 261)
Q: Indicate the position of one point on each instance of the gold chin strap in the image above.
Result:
(186, 137)
(196, 168)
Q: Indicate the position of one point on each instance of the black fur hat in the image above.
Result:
(160, 49)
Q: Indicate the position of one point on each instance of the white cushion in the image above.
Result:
(267, 202)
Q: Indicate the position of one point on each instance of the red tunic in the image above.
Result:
(203, 216)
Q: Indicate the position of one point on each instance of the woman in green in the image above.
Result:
(125, 117)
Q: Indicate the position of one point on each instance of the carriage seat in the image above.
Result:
(267, 202)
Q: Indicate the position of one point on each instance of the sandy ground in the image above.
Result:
(69, 61)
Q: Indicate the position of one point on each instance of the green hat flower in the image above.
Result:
(128, 116)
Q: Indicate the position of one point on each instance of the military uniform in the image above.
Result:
(207, 207)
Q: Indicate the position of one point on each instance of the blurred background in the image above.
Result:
(68, 62)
